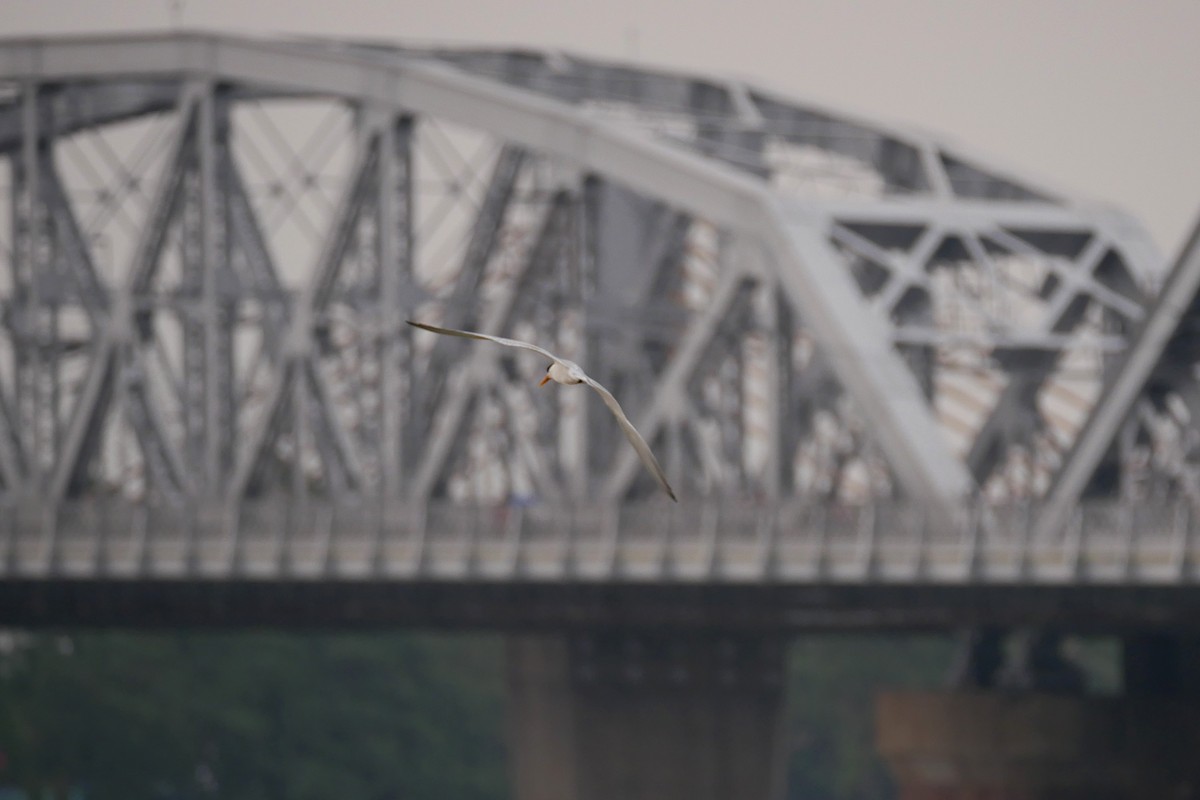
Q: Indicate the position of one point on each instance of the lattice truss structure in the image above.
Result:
(1141, 443)
(211, 244)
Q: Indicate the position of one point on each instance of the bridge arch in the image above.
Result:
(828, 349)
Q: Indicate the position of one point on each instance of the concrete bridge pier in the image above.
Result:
(648, 716)
(1007, 741)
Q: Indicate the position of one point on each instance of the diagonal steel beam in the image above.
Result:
(261, 275)
(12, 468)
(338, 453)
(72, 244)
(115, 331)
(482, 243)
(857, 343)
(1019, 396)
(449, 423)
(517, 401)
(298, 344)
(671, 396)
(1175, 302)
(85, 428)
(430, 389)
(706, 189)
(164, 463)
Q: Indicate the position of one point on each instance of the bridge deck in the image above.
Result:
(705, 543)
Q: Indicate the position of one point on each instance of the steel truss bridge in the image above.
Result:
(866, 357)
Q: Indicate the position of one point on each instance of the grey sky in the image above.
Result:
(1095, 97)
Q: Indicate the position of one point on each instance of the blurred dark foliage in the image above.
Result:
(252, 715)
(374, 716)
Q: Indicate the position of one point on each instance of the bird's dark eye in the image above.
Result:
(548, 366)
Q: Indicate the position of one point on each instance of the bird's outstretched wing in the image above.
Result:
(635, 438)
(631, 433)
(486, 338)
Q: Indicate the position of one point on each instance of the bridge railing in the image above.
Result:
(703, 541)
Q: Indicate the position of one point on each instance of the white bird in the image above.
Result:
(568, 373)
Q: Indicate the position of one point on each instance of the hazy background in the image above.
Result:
(1094, 97)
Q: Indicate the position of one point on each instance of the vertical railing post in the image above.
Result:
(823, 561)
(50, 532)
(1183, 518)
(612, 519)
(99, 525)
(515, 524)
(475, 539)
(768, 541)
(666, 552)
(1129, 529)
(1073, 546)
(284, 536)
(324, 559)
(139, 550)
(8, 520)
(923, 545)
(233, 533)
(419, 512)
(868, 534)
(374, 554)
(711, 534)
(192, 526)
(1024, 559)
(973, 557)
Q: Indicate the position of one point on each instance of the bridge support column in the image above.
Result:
(991, 745)
(645, 717)
(1049, 740)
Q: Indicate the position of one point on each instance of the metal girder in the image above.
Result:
(32, 263)
(1019, 397)
(427, 392)
(887, 393)
(114, 345)
(130, 324)
(72, 245)
(79, 107)
(1176, 299)
(945, 193)
(214, 330)
(87, 105)
(684, 179)
(858, 347)
(482, 243)
(11, 468)
(261, 278)
(450, 422)
(298, 354)
(84, 429)
(671, 391)
(394, 237)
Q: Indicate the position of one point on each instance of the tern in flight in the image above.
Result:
(568, 372)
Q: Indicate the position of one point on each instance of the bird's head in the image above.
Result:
(546, 379)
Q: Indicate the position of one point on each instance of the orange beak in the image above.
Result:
(545, 380)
